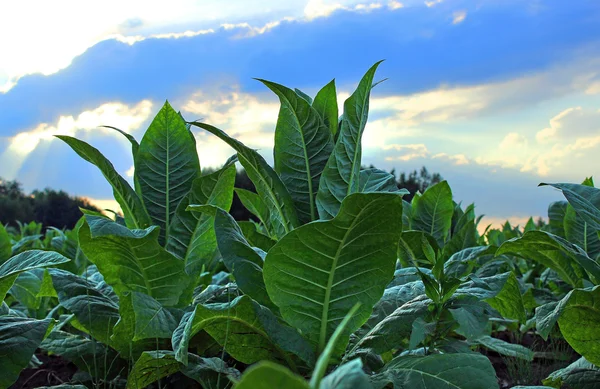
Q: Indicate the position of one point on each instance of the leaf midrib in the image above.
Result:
(325, 312)
(306, 160)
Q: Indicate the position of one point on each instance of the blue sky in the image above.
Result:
(496, 95)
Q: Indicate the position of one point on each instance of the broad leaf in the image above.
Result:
(28, 260)
(19, 338)
(326, 105)
(505, 348)
(134, 211)
(553, 252)
(254, 237)
(389, 333)
(341, 175)
(193, 237)
(441, 371)
(240, 259)
(270, 188)
(316, 273)
(95, 312)
(585, 199)
(269, 375)
(580, 323)
(303, 144)
(581, 233)
(166, 164)
(151, 319)
(255, 205)
(151, 367)
(556, 217)
(348, 376)
(580, 374)
(247, 331)
(375, 180)
(433, 212)
(133, 261)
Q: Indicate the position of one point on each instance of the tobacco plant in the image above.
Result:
(340, 284)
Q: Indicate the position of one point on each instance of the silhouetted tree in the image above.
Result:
(49, 207)
(417, 182)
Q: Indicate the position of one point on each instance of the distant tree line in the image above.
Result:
(59, 209)
(49, 207)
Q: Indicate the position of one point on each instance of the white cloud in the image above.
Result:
(431, 3)
(593, 89)
(244, 116)
(395, 5)
(60, 30)
(512, 140)
(406, 152)
(117, 115)
(319, 8)
(457, 159)
(459, 17)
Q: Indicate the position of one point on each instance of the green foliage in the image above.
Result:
(336, 282)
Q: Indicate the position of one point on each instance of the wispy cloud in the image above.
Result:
(117, 115)
(459, 17)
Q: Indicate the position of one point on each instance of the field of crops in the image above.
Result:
(339, 283)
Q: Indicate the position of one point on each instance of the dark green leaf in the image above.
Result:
(316, 273)
(166, 164)
(303, 144)
(134, 211)
(270, 188)
(341, 175)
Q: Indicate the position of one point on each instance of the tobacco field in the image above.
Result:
(337, 283)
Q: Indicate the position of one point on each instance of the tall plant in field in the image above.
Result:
(341, 283)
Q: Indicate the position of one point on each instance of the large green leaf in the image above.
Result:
(247, 331)
(556, 217)
(270, 188)
(26, 287)
(269, 375)
(433, 211)
(441, 371)
(151, 320)
(585, 199)
(580, 374)
(580, 232)
(19, 338)
(193, 236)
(303, 144)
(392, 331)
(552, 251)
(375, 180)
(580, 323)
(27, 260)
(150, 367)
(255, 237)
(255, 205)
(134, 211)
(133, 261)
(316, 273)
(501, 291)
(326, 105)
(95, 312)
(341, 175)
(238, 256)
(348, 376)
(506, 348)
(166, 164)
